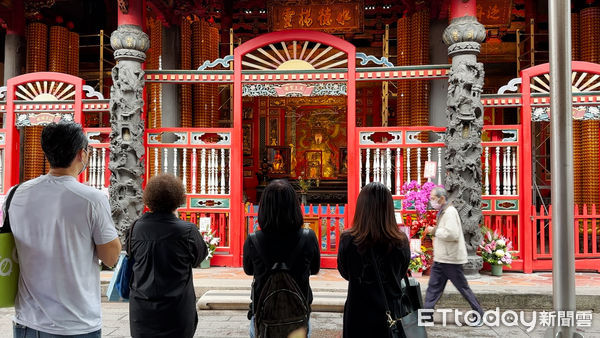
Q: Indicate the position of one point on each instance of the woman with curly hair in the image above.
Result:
(162, 301)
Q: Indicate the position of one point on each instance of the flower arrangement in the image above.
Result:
(211, 243)
(420, 261)
(417, 196)
(304, 185)
(422, 221)
(495, 248)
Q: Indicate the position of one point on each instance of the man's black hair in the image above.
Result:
(61, 142)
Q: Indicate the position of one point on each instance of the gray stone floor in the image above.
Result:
(216, 323)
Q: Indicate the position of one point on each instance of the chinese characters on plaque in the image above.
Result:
(494, 12)
(322, 15)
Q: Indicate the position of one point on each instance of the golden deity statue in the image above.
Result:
(320, 143)
(278, 163)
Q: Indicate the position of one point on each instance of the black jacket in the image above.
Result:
(364, 311)
(162, 302)
(278, 247)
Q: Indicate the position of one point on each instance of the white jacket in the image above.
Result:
(448, 241)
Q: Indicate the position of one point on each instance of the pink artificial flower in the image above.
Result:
(509, 245)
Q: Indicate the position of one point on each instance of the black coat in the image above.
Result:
(364, 311)
(162, 302)
(278, 247)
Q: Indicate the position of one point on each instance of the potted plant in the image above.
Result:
(496, 250)
(418, 263)
(304, 185)
(211, 244)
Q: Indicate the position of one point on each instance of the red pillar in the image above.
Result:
(134, 14)
(459, 8)
(14, 61)
(354, 149)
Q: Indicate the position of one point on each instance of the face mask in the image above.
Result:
(435, 204)
(84, 165)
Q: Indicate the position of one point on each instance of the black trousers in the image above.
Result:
(440, 273)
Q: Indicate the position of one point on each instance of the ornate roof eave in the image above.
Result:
(326, 75)
(170, 14)
(33, 7)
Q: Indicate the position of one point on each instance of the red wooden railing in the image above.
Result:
(219, 224)
(202, 158)
(587, 238)
(501, 160)
(97, 173)
(328, 221)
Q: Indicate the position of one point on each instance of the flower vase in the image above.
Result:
(416, 274)
(205, 264)
(497, 269)
(303, 198)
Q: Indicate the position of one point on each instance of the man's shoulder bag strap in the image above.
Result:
(6, 226)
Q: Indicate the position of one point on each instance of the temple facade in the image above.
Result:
(330, 95)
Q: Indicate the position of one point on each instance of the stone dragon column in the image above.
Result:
(465, 121)
(127, 136)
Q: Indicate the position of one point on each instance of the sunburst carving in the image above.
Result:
(580, 82)
(295, 55)
(45, 91)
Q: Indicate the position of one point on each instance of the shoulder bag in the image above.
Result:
(9, 264)
(124, 274)
(403, 322)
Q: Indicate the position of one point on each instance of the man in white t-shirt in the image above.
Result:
(61, 229)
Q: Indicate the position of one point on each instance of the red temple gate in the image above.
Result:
(374, 153)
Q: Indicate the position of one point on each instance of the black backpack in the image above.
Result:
(281, 306)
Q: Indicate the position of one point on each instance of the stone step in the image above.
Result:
(330, 296)
(240, 300)
(334, 301)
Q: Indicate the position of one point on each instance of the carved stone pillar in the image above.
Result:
(127, 136)
(463, 134)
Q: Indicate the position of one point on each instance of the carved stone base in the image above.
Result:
(472, 267)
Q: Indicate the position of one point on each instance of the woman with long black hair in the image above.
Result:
(373, 242)
(280, 220)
